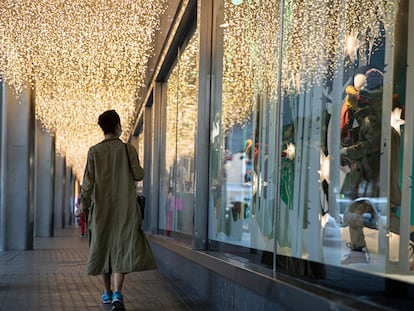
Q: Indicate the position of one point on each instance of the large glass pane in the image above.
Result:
(242, 166)
(329, 169)
(343, 88)
(177, 175)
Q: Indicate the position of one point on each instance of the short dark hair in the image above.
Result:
(108, 121)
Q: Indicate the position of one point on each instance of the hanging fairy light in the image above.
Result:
(82, 57)
(251, 39)
(86, 56)
(182, 103)
(319, 34)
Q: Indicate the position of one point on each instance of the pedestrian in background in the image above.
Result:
(82, 217)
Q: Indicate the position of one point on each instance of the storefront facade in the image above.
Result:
(277, 141)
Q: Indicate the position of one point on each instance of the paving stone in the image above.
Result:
(53, 277)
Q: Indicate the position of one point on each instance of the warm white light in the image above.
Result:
(251, 47)
(314, 37)
(182, 105)
(82, 57)
(352, 45)
(314, 43)
(86, 56)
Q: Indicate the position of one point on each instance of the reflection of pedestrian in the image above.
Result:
(173, 204)
(117, 245)
(169, 211)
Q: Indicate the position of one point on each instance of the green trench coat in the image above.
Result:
(116, 242)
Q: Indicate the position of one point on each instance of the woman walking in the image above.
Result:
(117, 245)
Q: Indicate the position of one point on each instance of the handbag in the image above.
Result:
(140, 197)
(141, 202)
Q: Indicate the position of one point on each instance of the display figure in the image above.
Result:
(364, 161)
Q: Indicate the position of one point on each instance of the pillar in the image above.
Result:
(17, 169)
(60, 174)
(68, 206)
(44, 182)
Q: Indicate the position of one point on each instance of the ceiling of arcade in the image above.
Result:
(81, 57)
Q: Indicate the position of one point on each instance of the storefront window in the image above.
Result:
(242, 167)
(326, 169)
(340, 91)
(177, 175)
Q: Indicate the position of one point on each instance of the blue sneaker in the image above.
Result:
(117, 301)
(106, 297)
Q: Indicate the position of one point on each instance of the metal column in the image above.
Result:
(45, 174)
(17, 169)
(59, 204)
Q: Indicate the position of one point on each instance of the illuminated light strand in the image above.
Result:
(85, 56)
(182, 104)
(82, 57)
(251, 49)
(315, 38)
(316, 34)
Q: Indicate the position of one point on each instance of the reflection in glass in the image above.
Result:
(340, 151)
(242, 202)
(336, 108)
(177, 177)
(141, 153)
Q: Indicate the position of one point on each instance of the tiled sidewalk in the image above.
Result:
(52, 277)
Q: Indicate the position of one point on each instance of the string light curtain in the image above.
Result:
(82, 57)
(250, 63)
(182, 103)
(320, 34)
(86, 56)
(317, 36)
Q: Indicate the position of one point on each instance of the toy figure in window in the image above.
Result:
(363, 155)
